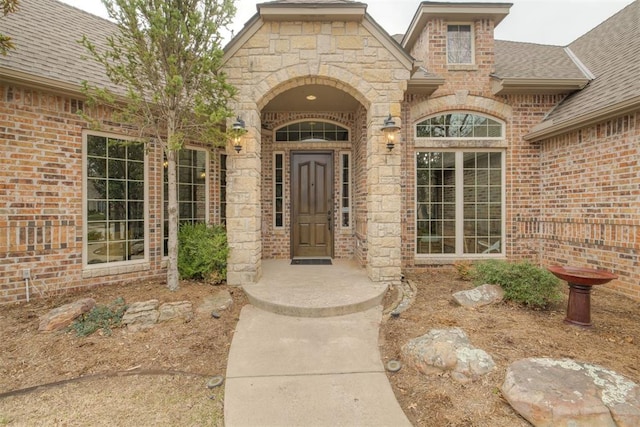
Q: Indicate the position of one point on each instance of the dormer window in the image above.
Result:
(459, 44)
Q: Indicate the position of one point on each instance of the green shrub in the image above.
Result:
(202, 252)
(522, 282)
(103, 317)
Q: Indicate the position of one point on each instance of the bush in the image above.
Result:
(202, 252)
(522, 282)
(103, 317)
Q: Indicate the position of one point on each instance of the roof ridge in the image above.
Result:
(585, 70)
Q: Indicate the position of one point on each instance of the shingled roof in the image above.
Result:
(46, 34)
(534, 61)
(611, 51)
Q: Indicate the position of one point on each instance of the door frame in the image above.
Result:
(332, 154)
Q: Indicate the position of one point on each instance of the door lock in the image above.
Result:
(329, 219)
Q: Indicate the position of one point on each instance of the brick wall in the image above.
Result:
(41, 207)
(590, 200)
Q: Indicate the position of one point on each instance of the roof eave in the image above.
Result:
(508, 86)
(454, 12)
(17, 77)
(312, 12)
(549, 128)
(424, 86)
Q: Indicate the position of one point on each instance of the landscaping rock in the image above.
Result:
(480, 296)
(63, 316)
(551, 392)
(447, 350)
(141, 315)
(176, 310)
(218, 302)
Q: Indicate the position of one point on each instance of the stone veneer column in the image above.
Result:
(384, 198)
(243, 205)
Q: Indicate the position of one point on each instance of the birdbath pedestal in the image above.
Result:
(580, 280)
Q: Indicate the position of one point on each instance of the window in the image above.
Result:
(312, 131)
(459, 44)
(459, 125)
(115, 200)
(459, 202)
(278, 190)
(345, 189)
(223, 189)
(192, 190)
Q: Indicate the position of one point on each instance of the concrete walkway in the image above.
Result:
(310, 371)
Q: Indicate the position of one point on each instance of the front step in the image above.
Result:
(314, 290)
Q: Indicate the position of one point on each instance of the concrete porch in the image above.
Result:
(314, 290)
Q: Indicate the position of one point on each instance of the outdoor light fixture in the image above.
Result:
(237, 130)
(390, 129)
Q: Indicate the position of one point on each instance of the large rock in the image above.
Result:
(221, 300)
(63, 316)
(565, 393)
(182, 310)
(480, 296)
(141, 315)
(443, 350)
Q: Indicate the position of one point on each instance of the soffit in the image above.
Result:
(327, 99)
(465, 12)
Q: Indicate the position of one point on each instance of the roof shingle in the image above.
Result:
(611, 51)
(533, 61)
(46, 35)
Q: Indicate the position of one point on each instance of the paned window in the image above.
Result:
(459, 125)
(312, 131)
(115, 200)
(345, 189)
(459, 202)
(278, 190)
(459, 44)
(192, 190)
(223, 189)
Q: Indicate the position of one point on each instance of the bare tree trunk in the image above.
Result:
(172, 267)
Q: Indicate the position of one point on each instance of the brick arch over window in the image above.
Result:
(467, 103)
(291, 78)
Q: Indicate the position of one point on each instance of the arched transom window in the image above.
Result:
(312, 131)
(459, 125)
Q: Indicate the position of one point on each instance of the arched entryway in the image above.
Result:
(313, 143)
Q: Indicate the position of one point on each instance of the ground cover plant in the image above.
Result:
(521, 281)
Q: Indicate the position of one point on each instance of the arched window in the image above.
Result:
(459, 125)
(312, 131)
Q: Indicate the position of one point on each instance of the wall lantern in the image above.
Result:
(237, 131)
(390, 129)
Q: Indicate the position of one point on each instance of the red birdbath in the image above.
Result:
(580, 282)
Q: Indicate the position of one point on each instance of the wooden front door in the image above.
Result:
(312, 197)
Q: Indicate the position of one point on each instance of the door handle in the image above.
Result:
(329, 219)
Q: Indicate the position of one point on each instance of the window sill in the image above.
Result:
(113, 270)
(462, 67)
(421, 259)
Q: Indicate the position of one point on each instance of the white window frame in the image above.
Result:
(206, 189)
(426, 139)
(117, 267)
(350, 196)
(274, 184)
(473, 43)
(222, 167)
(459, 197)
